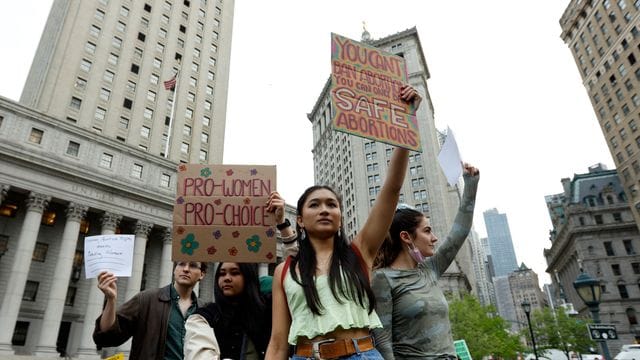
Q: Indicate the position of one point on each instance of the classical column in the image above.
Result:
(142, 234)
(87, 348)
(60, 282)
(20, 269)
(4, 190)
(166, 265)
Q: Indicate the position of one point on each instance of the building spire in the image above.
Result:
(366, 37)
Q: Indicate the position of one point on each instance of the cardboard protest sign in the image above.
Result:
(365, 92)
(220, 213)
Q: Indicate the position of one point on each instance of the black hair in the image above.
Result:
(404, 219)
(347, 277)
(249, 302)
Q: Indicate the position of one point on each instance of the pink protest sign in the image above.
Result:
(220, 213)
(365, 92)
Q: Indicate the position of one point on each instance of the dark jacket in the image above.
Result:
(231, 333)
(145, 318)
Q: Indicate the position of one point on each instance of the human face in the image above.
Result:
(424, 238)
(321, 215)
(230, 279)
(187, 273)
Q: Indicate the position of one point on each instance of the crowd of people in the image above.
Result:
(375, 297)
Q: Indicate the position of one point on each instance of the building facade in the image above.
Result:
(603, 36)
(525, 288)
(503, 256)
(594, 230)
(92, 148)
(348, 162)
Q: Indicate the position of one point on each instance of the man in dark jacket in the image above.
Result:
(154, 318)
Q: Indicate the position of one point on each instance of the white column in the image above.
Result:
(60, 282)
(87, 348)
(20, 269)
(166, 265)
(135, 281)
(263, 269)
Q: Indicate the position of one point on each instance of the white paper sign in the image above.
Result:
(449, 159)
(112, 253)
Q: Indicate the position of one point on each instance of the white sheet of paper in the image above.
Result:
(112, 253)
(449, 159)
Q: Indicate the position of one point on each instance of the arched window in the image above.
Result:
(609, 199)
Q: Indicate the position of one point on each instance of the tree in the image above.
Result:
(483, 330)
(559, 331)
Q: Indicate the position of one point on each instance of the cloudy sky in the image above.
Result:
(501, 78)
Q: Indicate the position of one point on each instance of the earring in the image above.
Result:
(303, 235)
(340, 233)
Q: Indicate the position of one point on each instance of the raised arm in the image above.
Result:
(384, 308)
(281, 321)
(371, 236)
(462, 223)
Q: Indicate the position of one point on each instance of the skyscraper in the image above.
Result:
(603, 37)
(84, 153)
(348, 162)
(101, 65)
(502, 253)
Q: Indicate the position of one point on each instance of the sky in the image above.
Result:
(501, 78)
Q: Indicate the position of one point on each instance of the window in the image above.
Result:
(80, 84)
(106, 160)
(116, 42)
(198, 39)
(196, 53)
(90, 48)
(85, 65)
(191, 97)
(183, 29)
(108, 76)
(124, 11)
(127, 103)
(636, 268)
(160, 48)
(142, 37)
(136, 171)
(73, 148)
(120, 26)
(184, 148)
(105, 94)
(615, 268)
(207, 106)
(193, 82)
(203, 155)
(212, 61)
(608, 248)
(113, 59)
(209, 90)
(147, 7)
(165, 19)
(151, 96)
(214, 48)
(137, 53)
(145, 131)
(162, 33)
(30, 291)
(157, 63)
(36, 136)
(75, 103)
(100, 114)
(20, 331)
(215, 35)
(204, 138)
(71, 296)
(622, 289)
(186, 131)
(628, 247)
(124, 123)
(154, 79)
(206, 121)
(148, 114)
(200, 25)
(194, 67)
(94, 31)
(135, 68)
(165, 180)
(211, 76)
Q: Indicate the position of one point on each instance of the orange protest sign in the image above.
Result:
(220, 213)
(365, 93)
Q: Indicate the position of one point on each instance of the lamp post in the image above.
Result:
(589, 291)
(527, 310)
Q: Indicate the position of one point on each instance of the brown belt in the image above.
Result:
(333, 349)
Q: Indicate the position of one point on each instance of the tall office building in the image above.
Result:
(356, 167)
(503, 255)
(594, 230)
(84, 154)
(101, 65)
(603, 37)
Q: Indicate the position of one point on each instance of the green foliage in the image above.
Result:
(484, 331)
(559, 331)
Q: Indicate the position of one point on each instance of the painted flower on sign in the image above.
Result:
(182, 167)
(229, 172)
(217, 234)
(254, 172)
(254, 243)
(233, 251)
(180, 230)
(211, 250)
(270, 255)
(270, 232)
(235, 234)
(189, 244)
(206, 172)
(180, 200)
(247, 201)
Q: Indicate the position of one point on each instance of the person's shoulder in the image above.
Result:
(211, 312)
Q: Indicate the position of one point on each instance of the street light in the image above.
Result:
(527, 310)
(589, 291)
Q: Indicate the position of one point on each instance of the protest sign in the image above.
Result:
(365, 93)
(113, 253)
(220, 213)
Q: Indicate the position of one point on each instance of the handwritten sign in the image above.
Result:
(365, 92)
(113, 253)
(220, 213)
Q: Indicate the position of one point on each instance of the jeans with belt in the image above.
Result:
(372, 354)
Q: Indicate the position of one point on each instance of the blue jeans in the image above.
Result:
(372, 354)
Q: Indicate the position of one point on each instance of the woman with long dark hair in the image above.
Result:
(413, 309)
(322, 300)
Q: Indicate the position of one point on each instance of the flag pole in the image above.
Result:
(173, 109)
